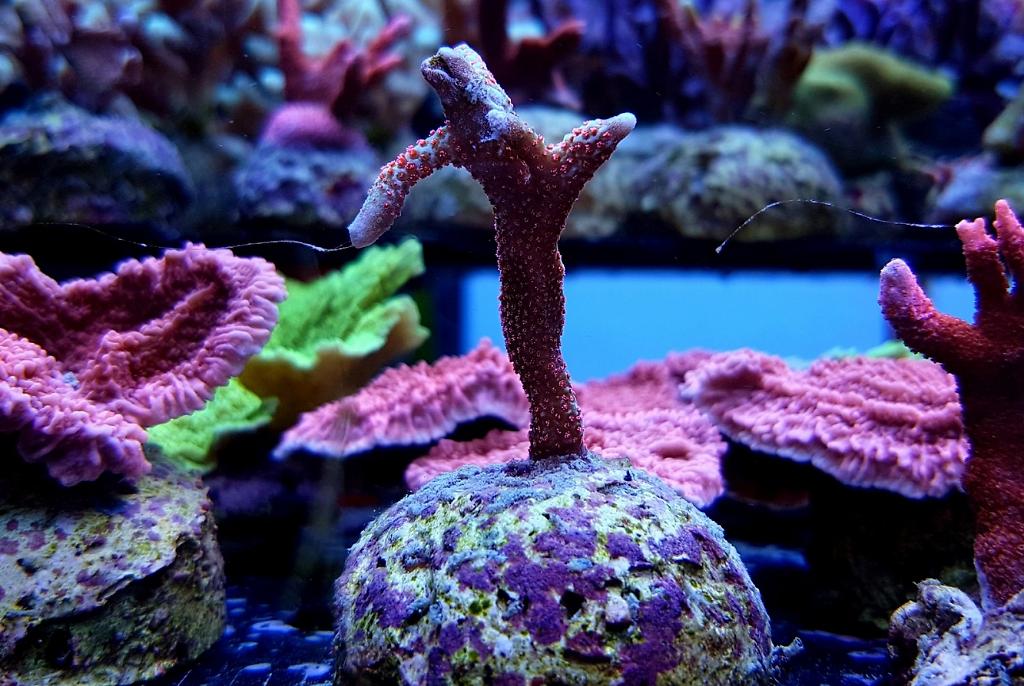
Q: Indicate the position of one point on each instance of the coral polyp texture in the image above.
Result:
(987, 359)
(87, 364)
(414, 405)
(880, 423)
(532, 187)
(581, 571)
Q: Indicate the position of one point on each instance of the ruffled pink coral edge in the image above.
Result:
(890, 424)
(87, 364)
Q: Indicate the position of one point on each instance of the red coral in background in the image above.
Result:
(166, 57)
(528, 67)
(987, 359)
(745, 69)
(321, 91)
(85, 365)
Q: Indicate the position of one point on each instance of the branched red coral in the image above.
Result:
(321, 91)
(743, 66)
(85, 365)
(532, 187)
(987, 359)
(892, 424)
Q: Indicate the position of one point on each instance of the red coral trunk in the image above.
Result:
(532, 320)
(994, 420)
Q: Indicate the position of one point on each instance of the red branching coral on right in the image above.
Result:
(528, 67)
(987, 359)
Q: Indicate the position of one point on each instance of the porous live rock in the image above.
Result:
(102, 585)
(942, 638)
(97, 169)
(574, 571)
(303, 186)
(710, 182)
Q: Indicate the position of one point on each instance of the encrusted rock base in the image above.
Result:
(943, 639)
(580, 572)
(105, 583)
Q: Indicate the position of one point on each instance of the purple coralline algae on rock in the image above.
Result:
(578, 572)
(564, 569)
(102, 587)
(59, 163)
(303, 186)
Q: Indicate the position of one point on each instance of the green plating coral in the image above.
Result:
(852, 99)
(189, 440)
(334, 333)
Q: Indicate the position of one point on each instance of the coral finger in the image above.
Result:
(915, 320)
(984, 268)
(384, 201)
(1011, 243)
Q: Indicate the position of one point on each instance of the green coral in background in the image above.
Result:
(893, 349)
(333, 334)
(189, 441)
(851, 99)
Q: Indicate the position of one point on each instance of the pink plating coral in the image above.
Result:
(414, 405)
(636, 415)
(678, 445)
(987, 358)
(532, 187)
(892, 424)
(320, 92)
(85, 365)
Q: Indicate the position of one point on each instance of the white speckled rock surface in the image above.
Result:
(579, 572)
(105, 583)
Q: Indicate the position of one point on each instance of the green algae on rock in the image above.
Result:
(583, 571)
(707, 183)
(104, 586)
